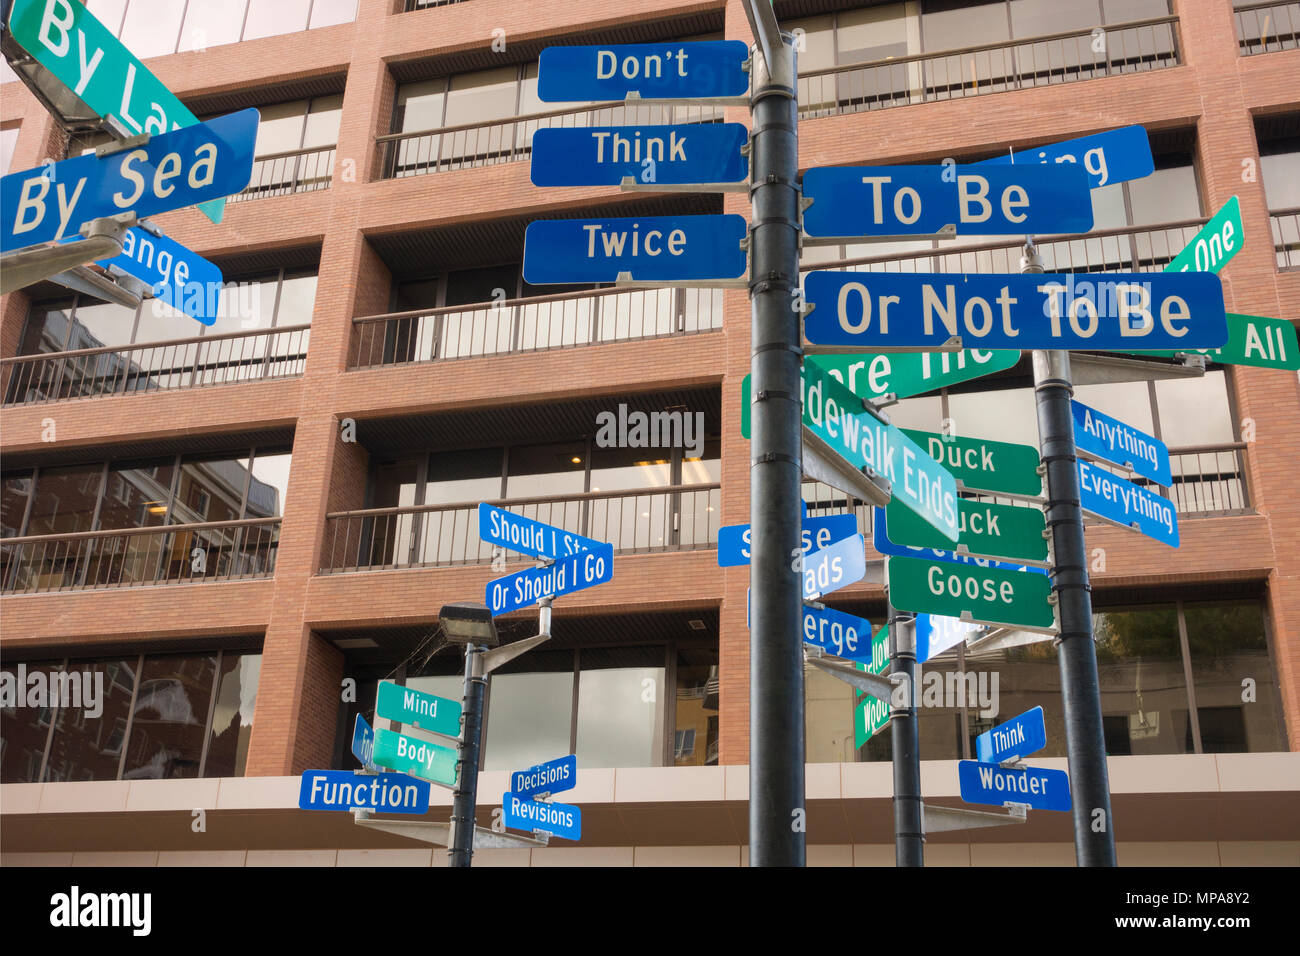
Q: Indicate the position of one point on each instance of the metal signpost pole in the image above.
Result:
(909, 835)
(463, 807)
(1094, 842)
(776, 763)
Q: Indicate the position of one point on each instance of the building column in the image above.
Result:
(1266, 399)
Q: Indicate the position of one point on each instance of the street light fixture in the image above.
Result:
(465, 622)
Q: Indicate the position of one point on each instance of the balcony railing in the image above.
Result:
(529, 325)
(1125, 249)
(680, 518)
(1286, 237)
(181, 363)
(282, 174)
(411, 5)
(990, 68)
(507, 140)
(1268, 27)
(168, 554)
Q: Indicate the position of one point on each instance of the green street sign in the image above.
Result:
(905, 374)
(1252, 340)
(837, 416)
(1001, 532)
(412, 755)
(437, 715)
(980, 464)
(970, 592)
(1218, 241)
(67, 40)
(871, 715)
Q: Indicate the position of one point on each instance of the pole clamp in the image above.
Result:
(772, 456)
(764, 394)
(773, 283)
(773, 89)
(784, 346)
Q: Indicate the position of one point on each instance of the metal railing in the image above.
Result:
(155, 366)
(1124, 249)
(295, 171)
(1268, 27)
(1286, 236)
(167, 554)
(412, 5)
(509, 139)
(565, 320)
(678, 518)
(990, 68)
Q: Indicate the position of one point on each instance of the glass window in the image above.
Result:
(322, 127)
(697, 707)
(232, 717)
(617, 469)
(1122, 11)
(818, 51)
(88, 745)
(269, 484)
(1238, 701)
(1140, 672)
(280, 129)
(65, 499)
(829, 705)
(537, 471)
(212, 24)
(1195, 411)
(1279, 167)
(268, 18)
(326, 13)
(473, 286)
(24, 729)
(8, 141)
(420, 105)
(1168, 194)
(170, 717)
(530, 714)
(877, 33)
(109, 13)
(482, 96)
(1028, 676)
(14, 491)
(211, 488)
(620, 707)
(297, 300)
(137, 494)
(100, 323)
(1031, 18)
(1006, 414)
(151, 27)
(471, 475)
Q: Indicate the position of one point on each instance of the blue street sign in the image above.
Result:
(734, 539)
(844, 635)
(363, 743)
(573, 573)
(1115, 156)
(1120, 501)
(1018, 737)
(686, 154)
(524, 813)
(712, 69)
(554, 776)
(345, 790)
(181, 278)
(835, 566)
(885, 310)
(879, 201)
(936, 633)
(644, 249)
(988, 783)
(882, 543)
(498, 526)
(173, 170)
(1122, 444)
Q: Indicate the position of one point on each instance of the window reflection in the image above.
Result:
(621, 696)
(170, 716)
(232, 716)
(530, 713)
(90, 748)
(24, 731)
